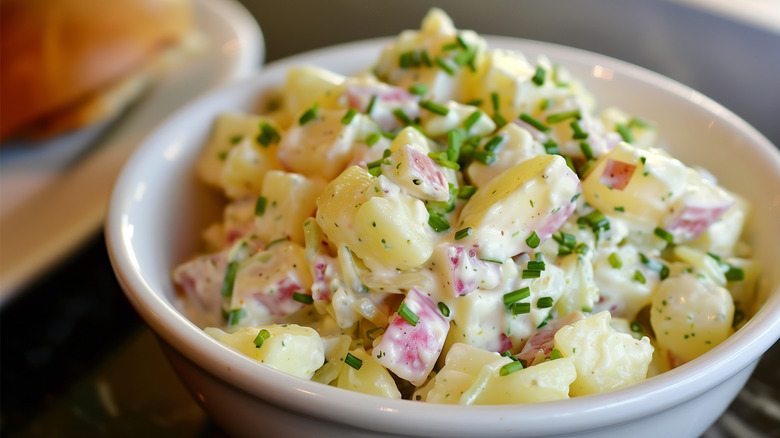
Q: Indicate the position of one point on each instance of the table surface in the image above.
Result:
(77, 360)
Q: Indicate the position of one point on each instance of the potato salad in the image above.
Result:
(461, 224)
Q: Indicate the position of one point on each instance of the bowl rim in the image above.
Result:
(403, 416)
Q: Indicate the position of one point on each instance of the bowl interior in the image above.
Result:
(159, 210)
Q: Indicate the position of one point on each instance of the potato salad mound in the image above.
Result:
(459, 224)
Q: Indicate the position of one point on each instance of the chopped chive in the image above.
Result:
(309, 115)
(372, 138)
(494, 99)
(262, 335)
(579, 134)
(533, 122)
(537, 265)
(559, 117)
(655, 265)
(402, 117)
(639, 277)
(663, 234)
(531, 273)
(235, 315)
(275, 241)
(624, 132)
(595, 219)
(347, 119)
(485, 157)
(302, 298)
(735, 273)
(586, 150)
(555, 354)
(236, 138)
(374, 333)
(551, 147)
(370, 106)
(434, 107)
(574, 198)
(437, 221)
(465, 192)
(520, 308)
(546, 103)
(407, 314)
(510, 368)
(449, 46)
(494, 143)
(444, 66)
(581, 248)
(566, 240)
(615, 261)
(517, 295)
(472, 119)
(425, 58)
(499, 120)
(507, 353)
(533, 240)
(463, 233)
(461, 42)
(353, 361)
(544, 302)
(230, 279)
(538, 77)
(640, 123)
(454, 142)
(267, 134)
(447, 163)
(620, 208)
(260, 205)
(474, 102)
(636, 327)
(465, 57)
(443, 309)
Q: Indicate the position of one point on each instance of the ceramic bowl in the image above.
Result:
(158, 210)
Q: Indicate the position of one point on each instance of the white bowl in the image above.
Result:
(158, 211)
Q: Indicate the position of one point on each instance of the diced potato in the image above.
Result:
(290, 198)
(307, 85)
(605, 359)
(436, 125)
(338, 203)
(517, 146)
(546, 381)
(372, 378)
(535, 196)
(462, 366)
(291, 348)
(690, 317)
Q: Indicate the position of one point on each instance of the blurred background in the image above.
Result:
(77, 361)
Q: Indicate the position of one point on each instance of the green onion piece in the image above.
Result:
(375, 171)
(444, 66)
(434, 107)
(454, 141)
(510, 368)
(494, 143)
(302, 298)
(538, 77)
(260, 205)
(443, 309)
(507, 353)
(546, 103)
(615, 261)
(235, 139)
(472, 119)
(353, 361)
(463, 233)
(262, 335)
(465, 192)
(447, 163)
(655, 265)
(407, 314)
(624, 132)
(520, 308)
(581, 248)
(636, 327)
(499, 120)
(663, 234)
(586, 150)
(620, 208)
(235, 315)
(735, 273)
(466, 57)
(640, 123)
(418, 89)
(551, 147)
(533, 240)
(595, 219)
(371, 105)
(461, 42)
(275, 241)
(494, 99)
(566, 240)
(639, 277)
(449, 46)
(372, 138)
(531, 273)
(474, 102)
(374, 333)
(537, 265)
(485, 157)
(533, 122)
(230, 279)
(347, 119)
(544, 302)
(309, 115)
(437, 221)
(559, 117)
(515, 296)
(267, 134)
(425, 58)
(402, 117)
(579, 134)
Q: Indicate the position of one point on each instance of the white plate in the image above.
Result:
(54, 196)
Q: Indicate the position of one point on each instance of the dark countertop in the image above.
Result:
(77, 361)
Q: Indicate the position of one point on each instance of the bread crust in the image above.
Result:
(61, 55)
